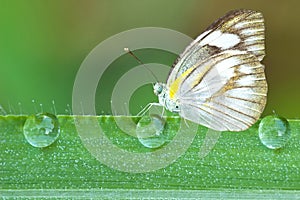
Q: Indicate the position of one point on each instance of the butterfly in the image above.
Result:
(219, 80)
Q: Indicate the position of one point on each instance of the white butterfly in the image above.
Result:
(219, 81)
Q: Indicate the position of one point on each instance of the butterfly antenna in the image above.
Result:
(139, 61)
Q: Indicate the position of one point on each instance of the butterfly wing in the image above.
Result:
(238, 30)
(224, 92)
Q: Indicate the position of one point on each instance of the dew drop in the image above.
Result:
(2, 111)
(274, 131)
(41, 106)
(69, 109)
(20, 108)
(11, 109)
(149, 131)
(34, 105)
(54, 108)
(41, 130)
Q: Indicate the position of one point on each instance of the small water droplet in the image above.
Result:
(54, 108)
(34, 105)
(20, 108)
(2, 111)
(11, 109)
(149, 131)
(274, 131)
(69, 109)
(41, 130)
(41, 106)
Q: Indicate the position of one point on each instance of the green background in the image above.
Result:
(43, 43)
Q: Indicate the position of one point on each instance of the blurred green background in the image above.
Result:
(43, 43)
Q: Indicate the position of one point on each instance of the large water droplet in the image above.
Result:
(274, 131)
(149, 131)
(41, 130)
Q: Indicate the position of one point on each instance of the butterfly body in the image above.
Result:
(219, 81)
(164, 99)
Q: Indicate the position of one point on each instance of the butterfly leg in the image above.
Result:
(147, 108)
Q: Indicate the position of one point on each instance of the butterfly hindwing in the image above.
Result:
(225, 92)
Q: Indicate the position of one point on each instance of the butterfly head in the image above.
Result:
(158, 88)
(161, 91)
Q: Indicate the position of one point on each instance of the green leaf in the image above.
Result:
(238, 166)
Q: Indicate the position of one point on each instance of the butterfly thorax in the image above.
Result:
(161, 90)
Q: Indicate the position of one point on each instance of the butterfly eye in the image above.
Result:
(157, 88)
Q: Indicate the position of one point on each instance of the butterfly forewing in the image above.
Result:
(238, 30)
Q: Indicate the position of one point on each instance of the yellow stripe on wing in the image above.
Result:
(175, 85)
